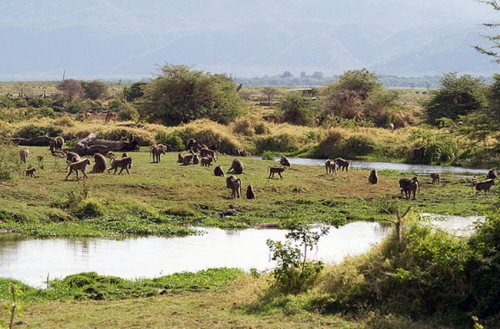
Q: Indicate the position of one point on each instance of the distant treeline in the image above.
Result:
(390, 81)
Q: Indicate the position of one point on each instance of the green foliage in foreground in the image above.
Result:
(91, 286)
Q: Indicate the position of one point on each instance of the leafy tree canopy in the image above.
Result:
(95, 89)
(179, 95)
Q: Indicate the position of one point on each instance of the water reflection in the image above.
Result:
(33, 261)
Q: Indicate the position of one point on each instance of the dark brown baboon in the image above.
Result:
(188, 159)
(409, 186)
(236, 167)
(99, 163)
(235, 185)
(56, 143)
(491, 174)
(373, 178)
(78, 166)
(243, 153)
(419, 153)
(206, 161)
(192, 144)
(484, 185)
(218, 171)
(342, 164)
(284, 161)
(436, 178)
(250, 192)
(157, 150)
(207, 152)
(123, 163)
(196, 159)
(276, 170)
(30, 172)
(180, 158)
(331, 166)
(23, 155)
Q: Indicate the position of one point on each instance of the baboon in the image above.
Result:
(284, 161)
(373, 178)
(205, 151)
(157, 151)
(484, 185)
(241, 153)
(250, 192)
(180, 158)
(56, 143)
(123, 163)
(110, 116)
(235, 185)
(419, 153)
(30, 172)
(196, 159)
(276, 170)
(331, 166)
(436, 178)
(78, 166)
(218, 171)
(87, 116)
(491, 174)
(99, 163)
(391, 127)
(192, 144)
(236, 167)
(342, 164)
(72, 157)
(188, 159)
(23, 155)
(409, 186)
(206, 161)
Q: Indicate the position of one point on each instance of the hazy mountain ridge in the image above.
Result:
(106, 39)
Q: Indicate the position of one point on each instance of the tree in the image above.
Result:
(135, 91)
(361, 81)
(286, 74)
(179, 95)
(317, 75)
(295, 109)
(494, 39)
(270, 93)
(95, 89)
(458, 96)
(71, 88)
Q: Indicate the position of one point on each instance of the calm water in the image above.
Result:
(33, 261)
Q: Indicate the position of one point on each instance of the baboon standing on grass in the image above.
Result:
(78, 166)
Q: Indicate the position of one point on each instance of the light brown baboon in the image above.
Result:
(180, 158)
(436, 178)
(123, 163)
(342, 164)
(72, 157)
(157, 150)
(276, 170)
(491, 174)
(56, 143)
(250, 192)
(284, 161)
(206, 161)
(331, 166)
(205, 151)
(218, 171)
(409, 186)
(78, 166)
(235, 185)
(196, 159)
(373, 178)
(99, 163)
(30, 172)
(236, 167)
(484, 185)
(187, 159)
(23, 155)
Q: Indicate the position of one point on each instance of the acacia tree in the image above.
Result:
(270, 93)
(495, 39)
(95, 89)
(71, 88)
(179, 95)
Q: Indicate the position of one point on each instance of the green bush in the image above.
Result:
(170, 139)
(277, 143)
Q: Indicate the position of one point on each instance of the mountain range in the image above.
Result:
(128, 39)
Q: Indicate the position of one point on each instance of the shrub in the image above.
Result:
(283, 142)
(330, 143)
(170, 139)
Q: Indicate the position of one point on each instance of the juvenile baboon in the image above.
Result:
(218, 171)
(205, 151)
(409, 186)
(235, 185)
(331, 166)
(250, 192)
(236, 167)
(56, 143)
(196, 159)
(284, 161)
(23, 155)
(373, 178)
(491, 174)
(206, 161)
(342, 164)
(123, 163)
(276, 170)
(419, 153)
(188, 159)
(30, 172)
(99, 163)
(180, 158)
(86, 116)
(436, 178)
(78, 166)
